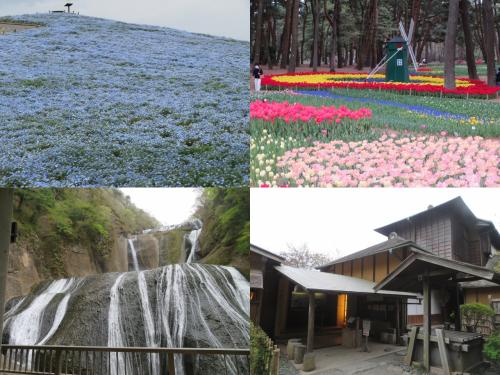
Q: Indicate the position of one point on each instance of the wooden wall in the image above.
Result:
(373, 267)
(481, 295)
(469, 245)
(368, 268)
(433, 233)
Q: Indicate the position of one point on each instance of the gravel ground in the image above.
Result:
(92, 102)
(286, 368)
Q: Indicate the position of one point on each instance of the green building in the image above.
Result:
(397, 66)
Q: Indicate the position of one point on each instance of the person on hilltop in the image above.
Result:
(498, 77)
(257, 74)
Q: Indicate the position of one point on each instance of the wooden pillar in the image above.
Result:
(6, 196)
(458, 317)
(398, 320)
(281, 306)
(310, 323)
(427, 320)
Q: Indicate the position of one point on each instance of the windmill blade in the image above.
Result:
(402, 31)
(413, 58)
(377, 68)
(410, 32)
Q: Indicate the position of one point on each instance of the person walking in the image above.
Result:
(257, 74)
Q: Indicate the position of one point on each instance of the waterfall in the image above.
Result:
(241, 289)
(115, 338)
(172, 310)
(133, 252)
(180, 305)
(193, 239)
(60, 312)
(149, 326)
(26, 326)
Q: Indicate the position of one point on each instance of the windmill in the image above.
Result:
(396, 57)
(408, 38)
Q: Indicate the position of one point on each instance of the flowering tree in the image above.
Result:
(302, 257)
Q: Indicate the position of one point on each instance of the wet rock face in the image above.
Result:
(189, 305)
(147, 251)
(26, 266)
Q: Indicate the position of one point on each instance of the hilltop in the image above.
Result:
(94, 102)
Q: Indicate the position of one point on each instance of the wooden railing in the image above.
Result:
(65, 360)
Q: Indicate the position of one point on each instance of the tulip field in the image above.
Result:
(335, 136)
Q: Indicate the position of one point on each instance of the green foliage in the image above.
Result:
(492, 347)
(173, 243)
(476, 314)
(259, 353)
(53, 219)
(226, 226)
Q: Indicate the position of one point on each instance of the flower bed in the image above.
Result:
(93, 102)
(391, 160)
(271, 111)
(325, 123)
(418, 83)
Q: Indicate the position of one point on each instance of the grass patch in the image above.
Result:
(201, 149)
(165, 112)
(215, 86)
(34, 83)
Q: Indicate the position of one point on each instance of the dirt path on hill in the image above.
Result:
(9, 27)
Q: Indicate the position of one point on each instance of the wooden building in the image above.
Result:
(449, 230)
(264, 281)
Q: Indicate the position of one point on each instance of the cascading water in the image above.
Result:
(193, 239)
(149, 326)
(26, 326)
(133, 253)
(115, 338)
(183, 305)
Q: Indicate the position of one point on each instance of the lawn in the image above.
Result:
(407, 141)
(92, 102)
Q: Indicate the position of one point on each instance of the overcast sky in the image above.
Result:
(341, 221)
(229, 18)
(167, 205)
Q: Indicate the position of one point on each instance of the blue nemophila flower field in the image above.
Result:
(86, 102)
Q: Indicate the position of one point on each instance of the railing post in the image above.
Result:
(171, 363)
(58, 362)
(276, 361)
(6, 196)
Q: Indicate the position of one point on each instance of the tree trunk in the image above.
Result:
(315, 12)
(366, 45)
(295, 33)
(303, 40)
(469, 44)
(285, 39)
(337, 9)
(258, 32)
(333, 42)
(489, 41)
(449, 46)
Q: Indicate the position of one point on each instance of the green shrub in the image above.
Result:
(492, 347)
(225, 214)
(476, 314)
(259, 356)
